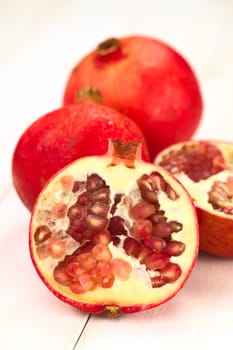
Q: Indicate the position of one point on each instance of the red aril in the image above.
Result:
(61, 136)
(205, 168)
(93, 259)
(145, 79)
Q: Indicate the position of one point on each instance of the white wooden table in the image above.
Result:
(40, 43)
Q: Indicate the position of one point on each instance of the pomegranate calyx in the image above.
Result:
(124, 152)
(89, 94)
(108, 46)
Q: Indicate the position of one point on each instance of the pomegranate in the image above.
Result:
(62, 136)
(145, 79)
(205, 168)
(114, 233)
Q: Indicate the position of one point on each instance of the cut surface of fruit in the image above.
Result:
(126, 237)
(205, 168)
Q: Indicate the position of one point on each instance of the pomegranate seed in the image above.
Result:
(171, 193)
(101, 252)
(77, 236)
(171, 272)
(56, 248)
(76, 288)
(156, 261)
(88, 234)
(149, 196)
(42, 251)
(121, 269)
(103, 269)
(158, 217)
(157, 282)
(144, 252)
(96, 223)
(87, 260)
(42, 234)
(94, 183)
(84, 284)
(151, 185)
(100, 209)
(175, 226)
(116, 226)
(132, 247)
(117, 200)
(103, 274)
(162, 229)
(76, 211)
(103, 237)
(84, 198)
(77, 225)
(67, 182)
(142, 211)
(93, 274)
(143, 183)
(220, 195)
(69, 259)
(157, 182)
(102, 195)
(85, 248)
(77, 185)
(141, 228)
(217, 197)
(155, 243)
(116, 240)
(175, 248)
(61, 276)
(106, 282)
(75, 269)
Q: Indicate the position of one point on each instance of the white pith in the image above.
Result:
(137, 289)
(199, 190)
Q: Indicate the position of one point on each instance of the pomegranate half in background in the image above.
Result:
(205, 168)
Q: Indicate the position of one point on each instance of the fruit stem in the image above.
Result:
(124, 152)
(108, 46)
(89, 94)
(113, 311)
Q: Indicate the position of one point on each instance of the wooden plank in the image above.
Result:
(31, 316)
(200, 314)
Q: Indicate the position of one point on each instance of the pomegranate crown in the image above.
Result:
(124, 152)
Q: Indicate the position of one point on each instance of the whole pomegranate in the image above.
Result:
(146, 80)
(114, 233)
(205, 168)
(62, 136)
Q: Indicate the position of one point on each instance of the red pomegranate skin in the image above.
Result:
(62, 136)
(150, 82)
(216, 234)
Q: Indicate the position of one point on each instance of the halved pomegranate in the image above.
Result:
(206, 170)
(113, 232)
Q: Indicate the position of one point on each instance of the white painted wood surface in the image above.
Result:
(40, 43)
